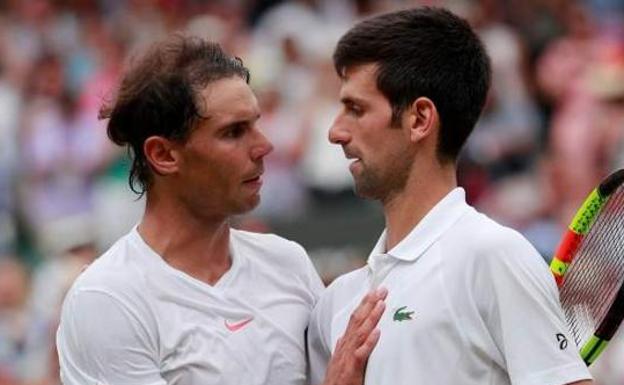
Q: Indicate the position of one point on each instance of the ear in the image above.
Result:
(422, 119)
(162, 155)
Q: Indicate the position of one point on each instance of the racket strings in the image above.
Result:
(591, 281)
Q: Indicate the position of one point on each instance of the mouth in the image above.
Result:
(353, 157)
(350, 155)
(355, 166)
(255, 179)
(356, 161)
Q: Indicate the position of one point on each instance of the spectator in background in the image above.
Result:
(576, 137)
(10, 104)
(62, 152)
(324, 168)
(505, 139)
(13, 320)
(284, 195)
(605, 81)
(71, 248)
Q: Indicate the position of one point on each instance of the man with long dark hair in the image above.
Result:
(184, 298)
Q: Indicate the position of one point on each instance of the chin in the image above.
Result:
(247, 205)
(362, 193)
(368, 190)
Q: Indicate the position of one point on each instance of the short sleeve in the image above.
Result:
(101, 340)
(311, 276)
(524, 316)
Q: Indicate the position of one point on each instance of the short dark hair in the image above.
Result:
(427, 52)
(159, 95)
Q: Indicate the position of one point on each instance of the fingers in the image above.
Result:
(364, 351)
(382, 293)
(340, 343)
(361, 313)
(348, 362)
(373, 318)
(364, 319)
(368, 335)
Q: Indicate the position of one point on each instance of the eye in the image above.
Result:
(235, 131)
(353, 109)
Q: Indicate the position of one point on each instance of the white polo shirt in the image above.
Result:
(470, 303)
(130, 318)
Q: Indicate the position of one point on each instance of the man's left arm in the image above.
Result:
(520, 306)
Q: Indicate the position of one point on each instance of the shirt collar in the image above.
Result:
(446, 212)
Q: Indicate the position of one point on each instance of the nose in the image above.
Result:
(338, 133)
(262, 147)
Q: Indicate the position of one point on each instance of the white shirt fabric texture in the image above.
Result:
(131, 318)
(470, 302)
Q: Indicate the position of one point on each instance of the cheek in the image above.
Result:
(399, 158)
(208, 174)
(375, 126)
(220, 176)
(390, 151)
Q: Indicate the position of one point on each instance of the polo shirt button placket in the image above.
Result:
(380, 266)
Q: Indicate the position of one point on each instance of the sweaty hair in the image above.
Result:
(426, 52)
(159, 96)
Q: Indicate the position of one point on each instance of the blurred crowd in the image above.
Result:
(552, 128)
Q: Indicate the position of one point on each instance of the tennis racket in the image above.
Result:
(589, 268)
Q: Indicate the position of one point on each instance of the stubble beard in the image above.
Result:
(369, 185)
(237, 204)
(377, 185)
(247, 205)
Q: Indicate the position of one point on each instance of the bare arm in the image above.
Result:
(584, 382)
(348, 362)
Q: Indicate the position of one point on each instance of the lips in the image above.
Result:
(254, 177)
(354, 165)
(356, 159)
(254, 181)
(349, 154)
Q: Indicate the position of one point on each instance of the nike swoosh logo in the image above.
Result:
(236, 326)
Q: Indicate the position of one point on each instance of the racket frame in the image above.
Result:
(572, 239)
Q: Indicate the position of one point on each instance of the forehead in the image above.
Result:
(360, 82)
(227, 99)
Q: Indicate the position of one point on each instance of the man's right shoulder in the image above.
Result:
(115, 271)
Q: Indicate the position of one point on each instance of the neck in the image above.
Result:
(424, 189)
(198, 246)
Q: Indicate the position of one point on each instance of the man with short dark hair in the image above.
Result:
(469, 301)
(183, 298)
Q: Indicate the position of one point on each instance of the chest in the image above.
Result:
(250, 333)
(420, 330)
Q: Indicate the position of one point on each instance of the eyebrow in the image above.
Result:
(241, 121)
(210, 117)
(352, 100)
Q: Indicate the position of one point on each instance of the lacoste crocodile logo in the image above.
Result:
(401, 315)
(236, 326)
